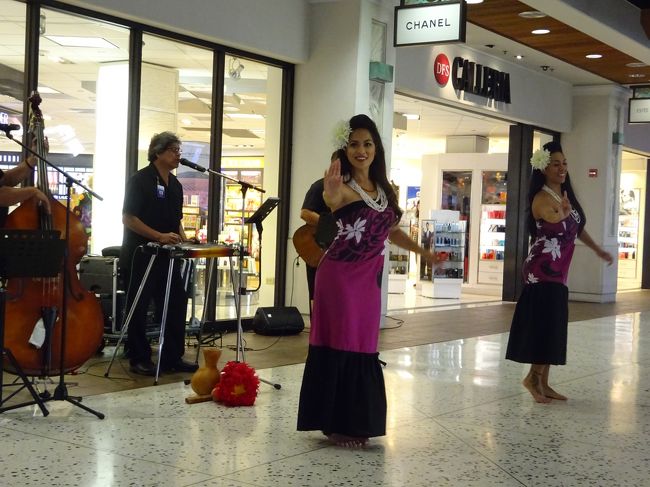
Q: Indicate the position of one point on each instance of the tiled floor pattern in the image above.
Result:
(457, 416)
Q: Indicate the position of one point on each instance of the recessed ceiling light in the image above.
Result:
(594, 56)
(47, 90)
(245, 115)
(519, 56)
(636, 65)
(78, 41)
(636, 75)
(540, 31)
(532, 14)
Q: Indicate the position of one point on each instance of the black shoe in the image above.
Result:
(143, 368)
(179, 366)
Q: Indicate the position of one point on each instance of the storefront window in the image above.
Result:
(631, 215)
(176, 96)
(83, 78)
(12, 54)
(251, 134)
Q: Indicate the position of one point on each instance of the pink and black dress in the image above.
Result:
(538, 334)
(343, 385)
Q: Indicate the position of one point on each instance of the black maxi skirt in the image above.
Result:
(538, 334)
(342, 392)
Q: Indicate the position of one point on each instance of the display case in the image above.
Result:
(449, 246)
(492, 240)
(447, 241)
(492, 228)
(398, 266)
(628, 241)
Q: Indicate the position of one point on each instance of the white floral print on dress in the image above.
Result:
(552, 246)
(354, 231)
(531, 279)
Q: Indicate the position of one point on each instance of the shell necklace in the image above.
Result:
(553, 194)
(556, 197)
(379, 204)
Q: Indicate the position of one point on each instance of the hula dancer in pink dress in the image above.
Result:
(538, 334)
(343, 392)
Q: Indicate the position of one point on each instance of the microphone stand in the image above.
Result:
(61, 390)
(241, 289)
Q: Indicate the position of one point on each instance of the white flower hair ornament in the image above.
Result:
(540, 159)
(341, 134)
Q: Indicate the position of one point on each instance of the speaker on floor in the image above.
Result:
(278, 320)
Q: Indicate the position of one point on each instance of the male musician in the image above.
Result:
(152, 212)
(10, 196)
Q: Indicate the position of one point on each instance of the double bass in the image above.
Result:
(30, 300)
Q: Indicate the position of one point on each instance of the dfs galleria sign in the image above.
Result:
(471, 77)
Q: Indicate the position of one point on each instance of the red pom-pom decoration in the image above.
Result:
(238, 385)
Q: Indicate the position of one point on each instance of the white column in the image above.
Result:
(597, 115)
(332, 86)
(110, 152)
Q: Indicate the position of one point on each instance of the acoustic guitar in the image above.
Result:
(304, 240)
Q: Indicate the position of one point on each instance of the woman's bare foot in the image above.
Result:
(347, 441)
(533, 383)
(549, 392)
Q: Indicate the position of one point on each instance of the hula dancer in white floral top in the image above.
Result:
(538, 334)
(342, 391)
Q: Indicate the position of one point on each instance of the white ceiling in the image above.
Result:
(75, 80)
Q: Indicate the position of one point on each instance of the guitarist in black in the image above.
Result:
(317, 214)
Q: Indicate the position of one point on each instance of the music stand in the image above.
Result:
(263, 211)
(25, 253)
(256, 218)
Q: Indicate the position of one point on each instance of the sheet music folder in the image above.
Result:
(263, 211)
(30, 253)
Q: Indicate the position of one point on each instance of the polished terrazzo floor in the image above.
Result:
(457, 416)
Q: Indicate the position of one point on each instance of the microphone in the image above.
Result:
(8, 127)
(194, 166)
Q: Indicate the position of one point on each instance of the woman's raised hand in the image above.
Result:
(332, 180)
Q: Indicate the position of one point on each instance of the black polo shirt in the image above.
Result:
(155, 203)
(326, 229)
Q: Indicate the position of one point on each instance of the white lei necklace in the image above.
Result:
(555, 196)
(379, 204)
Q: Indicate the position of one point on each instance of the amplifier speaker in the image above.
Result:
(278, 320)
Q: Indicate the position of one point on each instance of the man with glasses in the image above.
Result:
(153, 212)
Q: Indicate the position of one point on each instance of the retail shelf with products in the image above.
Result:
(628, 241)
(448, 243)
(398, 266)
(191, 220)
(232, 204)
(492, 244)
(232, 214)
